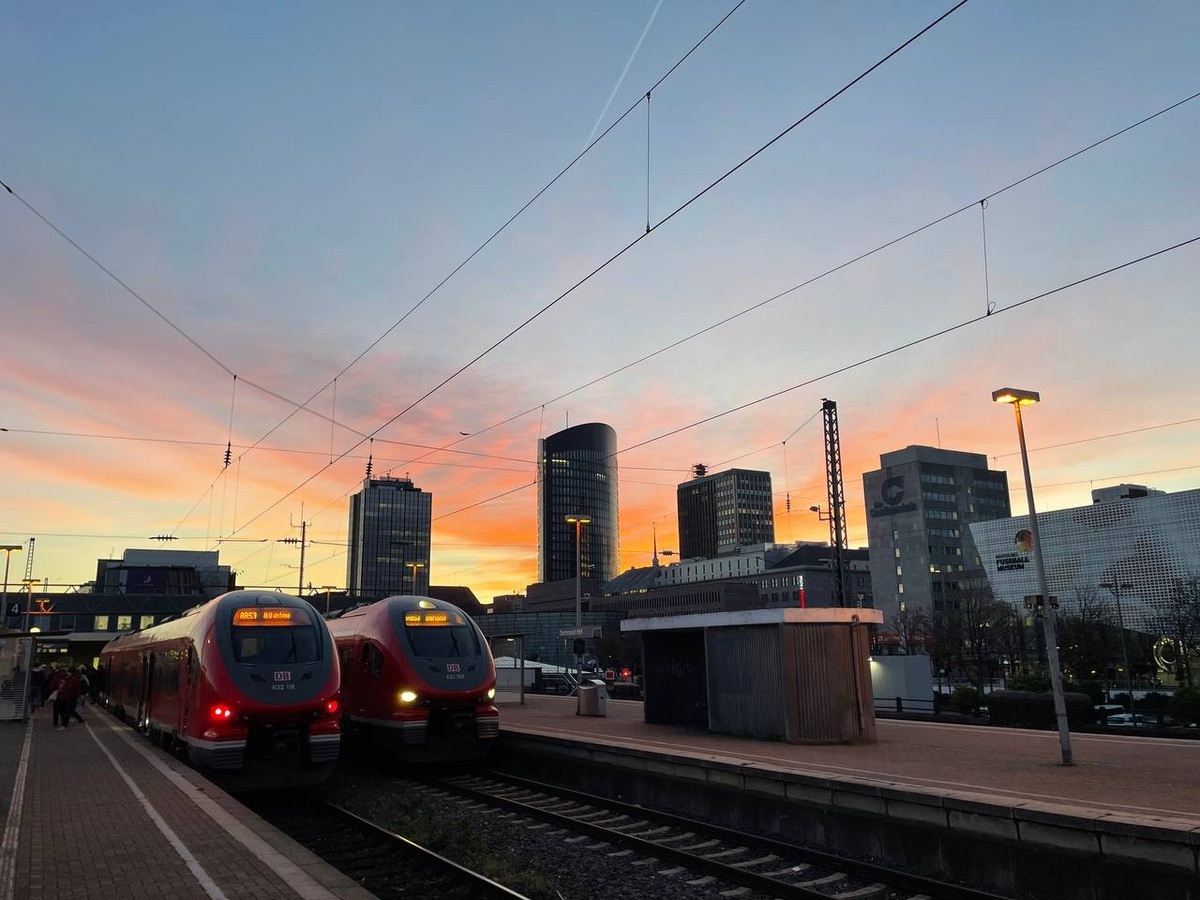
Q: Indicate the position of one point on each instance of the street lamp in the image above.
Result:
(327, 588)
(414, 566)
(1116, 588)
(8, 549)
(1019, 398)
(28, 583)
(578, 520)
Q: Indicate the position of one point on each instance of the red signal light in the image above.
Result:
(625, 673)
(331, 707)
(221, 713)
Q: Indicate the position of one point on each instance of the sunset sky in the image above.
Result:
(276, 189)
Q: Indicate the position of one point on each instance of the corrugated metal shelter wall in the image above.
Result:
(747, 689)
(828, 672)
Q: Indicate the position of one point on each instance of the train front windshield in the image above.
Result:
(435, 634)
(274, 636)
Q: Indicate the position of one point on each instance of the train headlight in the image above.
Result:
(408, 696)
(491, 694)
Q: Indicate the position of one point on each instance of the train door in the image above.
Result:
(188, 689)
(143, 716)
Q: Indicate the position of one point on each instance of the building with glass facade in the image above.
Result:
(578, 475)
(1130, 545)
(390, 524)
(919, 503)
(721, 512)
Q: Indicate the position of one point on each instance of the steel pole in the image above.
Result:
(578, 594)
(1056, 686)
(7, 559)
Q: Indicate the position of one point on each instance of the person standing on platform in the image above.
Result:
(37, 681)
(85, 687)
(65, 696)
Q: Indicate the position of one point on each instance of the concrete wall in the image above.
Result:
(908, 677)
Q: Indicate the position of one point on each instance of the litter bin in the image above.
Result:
(593, 700)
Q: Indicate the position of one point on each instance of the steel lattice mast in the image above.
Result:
(837, 500)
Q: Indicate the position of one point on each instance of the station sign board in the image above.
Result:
(583, 631)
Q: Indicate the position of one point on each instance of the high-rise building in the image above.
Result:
(578, 475)
(918, 506)
(390, 523)
(719, 513)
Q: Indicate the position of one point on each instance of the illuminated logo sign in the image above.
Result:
(891, 499)
(264, 615)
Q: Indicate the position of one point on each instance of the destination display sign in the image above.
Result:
(264, 615)
(438, 619)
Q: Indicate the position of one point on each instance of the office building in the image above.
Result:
(578, 475)
(919, 503)
(719, 513)
(390, 523)
(1128, 551)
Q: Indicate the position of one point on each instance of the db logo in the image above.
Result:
(283, 676)
(453, 667)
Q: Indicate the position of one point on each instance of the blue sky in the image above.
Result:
(283, 183)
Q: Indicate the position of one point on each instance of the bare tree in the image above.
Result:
(1086, 641)
(980, 621)
(912, 627)
(1180, 622)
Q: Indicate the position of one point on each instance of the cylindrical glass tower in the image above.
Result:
(578, 475)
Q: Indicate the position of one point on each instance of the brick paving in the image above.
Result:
(86, 835)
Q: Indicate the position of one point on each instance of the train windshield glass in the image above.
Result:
(274, 637)
(440, 635)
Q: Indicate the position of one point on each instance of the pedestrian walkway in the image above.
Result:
(97, 812)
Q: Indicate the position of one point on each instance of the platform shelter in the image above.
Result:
(790, 674)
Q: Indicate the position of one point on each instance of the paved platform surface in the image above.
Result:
(1152, 779)
(95, 811)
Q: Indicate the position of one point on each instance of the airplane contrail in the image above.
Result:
(624, 72)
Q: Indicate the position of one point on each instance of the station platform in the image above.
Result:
(985, 806)
(1153, 779)
(95, 811)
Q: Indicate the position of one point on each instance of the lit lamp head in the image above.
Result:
(1016, 396)
(578, 518)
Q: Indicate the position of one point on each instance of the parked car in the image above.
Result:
(1132, 720)
(553, 683)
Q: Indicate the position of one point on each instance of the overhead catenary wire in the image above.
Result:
(296, 407)
(942, 332)
(631, 244)
(913, 232)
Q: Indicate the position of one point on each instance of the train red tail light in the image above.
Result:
(221, 713)
(331, 707)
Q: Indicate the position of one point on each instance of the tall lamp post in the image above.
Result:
(1116, 588)
(8, 549)
(1019, 398)
(414, 566)
(578, 520)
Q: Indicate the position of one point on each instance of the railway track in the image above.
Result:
(388, 865)
(720, 861)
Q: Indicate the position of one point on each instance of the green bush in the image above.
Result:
(964, 699)
(1029, 682)
(1032, 709)
(1093, 689)
(1154, 701)
(1185, 705)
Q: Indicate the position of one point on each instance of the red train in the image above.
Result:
(417, 677)
(246, 685)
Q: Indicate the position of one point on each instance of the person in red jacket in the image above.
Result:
(65, 695)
